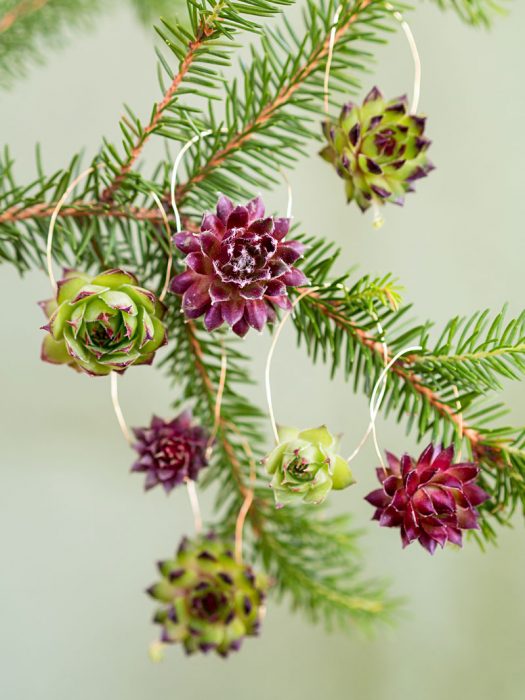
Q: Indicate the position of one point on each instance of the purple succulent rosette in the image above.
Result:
(238, 268)
(379, 149)
(170, 451)
(431, 500)
(103, 323)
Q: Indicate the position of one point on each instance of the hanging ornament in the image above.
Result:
(209, 600)
(238, 268)
(431, 500)
(170, 452)
(305, 466)
(378, 149)
(102, 324)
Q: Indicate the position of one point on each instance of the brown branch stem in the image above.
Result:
(24, 8)
(402, 369)
(84, 209)
(224, 426)
(104, 208)
(284, 95)
(79, 210)
(204, 33)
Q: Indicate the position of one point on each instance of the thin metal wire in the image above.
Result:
(271, 351)
(371, 424)
(330, 56)
(54, 217)
(118, 410)
(375, 401)
(169, 265)
(290, 194)
(461, 423)
(218, 403)
(174, 172)
(195, 507)
(415, 55)
(247, 503)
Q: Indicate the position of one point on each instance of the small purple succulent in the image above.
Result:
(238, 267)
(431, 500)
(170, 451)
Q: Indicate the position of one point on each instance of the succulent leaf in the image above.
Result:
(378, 149)
(305, 466)
(210, 602)
(169, 452)
(93, 323)
(238, 268)
(430, 499)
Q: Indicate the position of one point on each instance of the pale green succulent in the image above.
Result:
(305, 466)
(103, 323)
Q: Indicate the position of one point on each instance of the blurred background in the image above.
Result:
(78, 538)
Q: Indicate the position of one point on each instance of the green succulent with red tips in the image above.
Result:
(209, 601)
(305, 466)
(379, 149)
(103, 323)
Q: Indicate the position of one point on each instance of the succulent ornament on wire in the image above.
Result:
(209, 601)
(379, 149)
(238, 267)
(102, 323)
(430, 499)
(305, 466)
(170, 452)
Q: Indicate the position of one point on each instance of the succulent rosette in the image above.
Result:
(379, 149)
(169, 452)
(431, 500)
(238, 267)
(305, 466)
(208, 600)
(103, 323)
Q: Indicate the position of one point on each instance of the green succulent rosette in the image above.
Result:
(103, 323)
(379, 149)
(209, 601)
(305, 466)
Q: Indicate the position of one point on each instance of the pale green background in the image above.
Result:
(77, 537)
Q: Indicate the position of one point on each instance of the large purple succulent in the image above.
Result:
(238, 267)
(170, 451)
(431, 500)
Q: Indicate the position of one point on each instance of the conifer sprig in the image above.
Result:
(442, 393)
(266, 119)
(29, 27)
(475, 12)
(206, 42)
(324, 576)
(26, 26)
(278, 99)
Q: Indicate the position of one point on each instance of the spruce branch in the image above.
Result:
(26, 26)
(20, 10)
(323, 576)
(92, 214)
(442, 392)
(212, 22)
(475, 12)
(206, 30)
(298, 69)
(269, 116)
